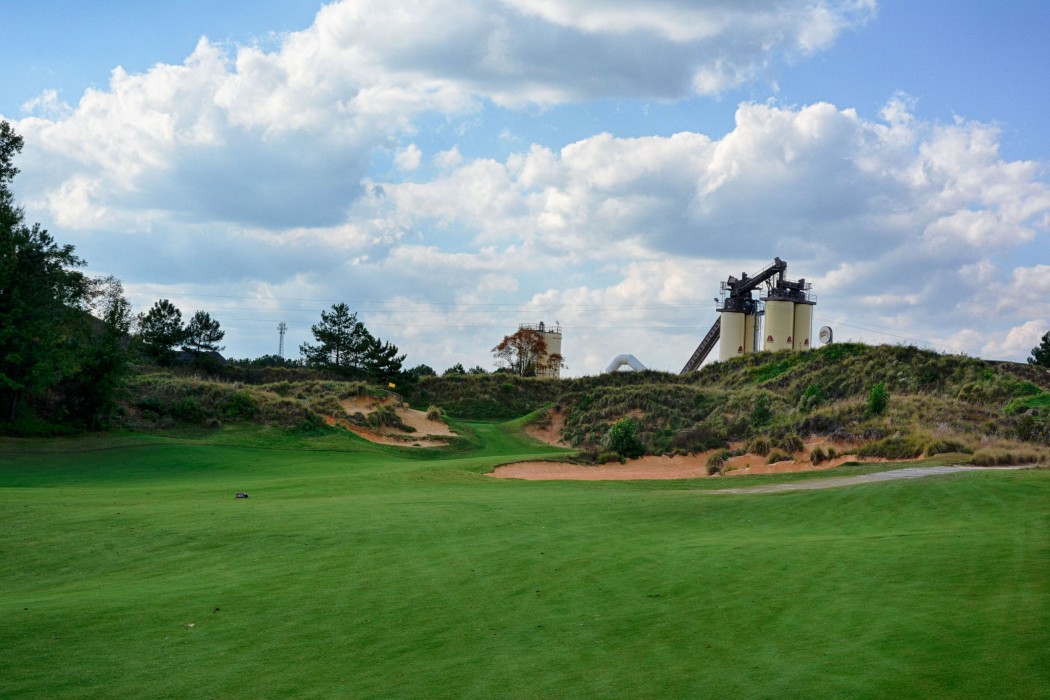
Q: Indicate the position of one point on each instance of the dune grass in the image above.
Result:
(128, 569)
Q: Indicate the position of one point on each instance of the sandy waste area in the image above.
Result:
(428, 433)
(692, 466)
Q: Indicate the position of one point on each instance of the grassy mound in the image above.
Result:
(164, 400)
(929, 403)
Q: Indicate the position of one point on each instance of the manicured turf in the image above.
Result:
(362, 571)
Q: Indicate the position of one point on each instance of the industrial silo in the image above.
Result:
(552, 336)
(731, 340)
(749, 333)
(780, 324)
(803, 330)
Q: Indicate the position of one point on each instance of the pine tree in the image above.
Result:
(160, 330)
(1041, 353)
(203, 334)
(342, 341)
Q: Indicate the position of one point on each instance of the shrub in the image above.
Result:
(607, 456)
(622, 437)
(435, 413)
(759, 446)
(387, 416)
(1031, 430)
(241, 404)
(188, 409)
(1002, 458)
(761, 415)
(716, 461)
(777, 456)
(791, 444)
(586, 456)
(810, 398)
(897, 447)
(878, 400)
(698, 438)
(818, 455)
(939, 447)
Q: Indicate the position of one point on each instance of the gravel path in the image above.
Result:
(907, 473)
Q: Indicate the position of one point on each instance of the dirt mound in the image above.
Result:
(426, 433)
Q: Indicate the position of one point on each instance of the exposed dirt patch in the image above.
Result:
(692, 466)
(427, 433)
(548, 429)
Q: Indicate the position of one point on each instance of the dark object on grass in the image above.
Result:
(241, 494)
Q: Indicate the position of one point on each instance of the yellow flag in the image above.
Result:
(392, 385)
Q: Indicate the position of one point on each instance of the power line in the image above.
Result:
(454, 304)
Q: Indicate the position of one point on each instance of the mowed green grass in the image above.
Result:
(362, 571)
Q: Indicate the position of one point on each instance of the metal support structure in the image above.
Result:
(281, 328)
(737, 298)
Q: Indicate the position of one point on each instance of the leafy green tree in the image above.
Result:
(41, 297)
(525, 353)
(342, 341)
(1041, 353)
(160, 330)
(203, 334)
(477, 369)
(90, 395)
(422, 371)
(454, 369)
(47, 336)
(266, 361)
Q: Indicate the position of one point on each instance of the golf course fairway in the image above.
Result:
(128, 569)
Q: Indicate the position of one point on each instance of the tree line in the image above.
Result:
(68, 341)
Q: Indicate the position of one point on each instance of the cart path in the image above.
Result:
(893, 475)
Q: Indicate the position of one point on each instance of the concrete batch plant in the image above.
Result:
(787, 308)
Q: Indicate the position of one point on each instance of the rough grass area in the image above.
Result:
(164, 400)
(128, 569)
(932, 400)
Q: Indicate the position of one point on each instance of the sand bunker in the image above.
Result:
(428, 433)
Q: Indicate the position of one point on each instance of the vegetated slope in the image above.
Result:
(933, 403)
(936, 403)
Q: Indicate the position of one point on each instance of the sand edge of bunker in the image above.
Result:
(690, 466)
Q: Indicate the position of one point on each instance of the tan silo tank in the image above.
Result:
(553, 340)
(731, 335)
(803, 332)
(780, 325)
(749, 333)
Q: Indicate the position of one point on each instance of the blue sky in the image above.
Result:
(453, 170)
